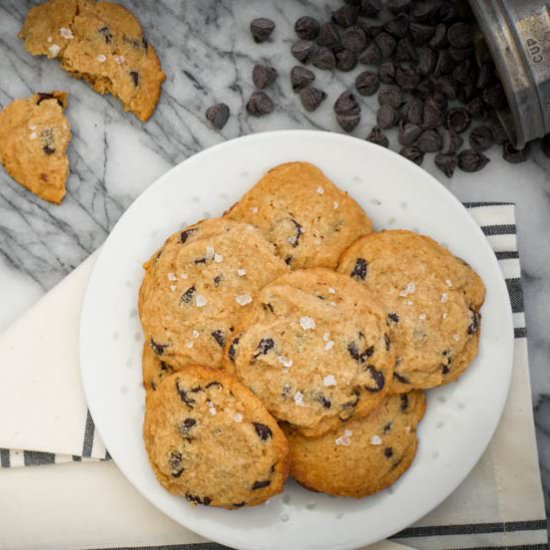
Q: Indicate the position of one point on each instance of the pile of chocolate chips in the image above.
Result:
(424, 60)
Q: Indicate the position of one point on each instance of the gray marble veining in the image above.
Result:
(208, 54)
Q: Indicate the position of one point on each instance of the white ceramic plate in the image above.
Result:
(460, 419)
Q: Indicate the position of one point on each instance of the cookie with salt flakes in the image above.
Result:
(365, 455)
(308, 218)
(314, 347)
(210, 440)
(198, 285)
(432, 301)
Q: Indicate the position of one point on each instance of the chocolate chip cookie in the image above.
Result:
(432, 301)
(211, 440)
(315, 348)
(198, 285)
(103, 43)
(34, 137)
(364, 455)
(310, 221)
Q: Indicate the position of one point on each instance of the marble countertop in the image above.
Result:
(208, 54)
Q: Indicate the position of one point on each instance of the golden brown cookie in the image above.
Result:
(34, 136)
(211, 440)
(314, 348)
(432, 299)
(310, 221)
(364, 455)
(102, 43)
(199, 284)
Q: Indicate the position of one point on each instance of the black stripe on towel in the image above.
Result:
(195, 546)
(36, 458)
(507, 255)
(520, 332)
(501, 229)
(472, 529)
(88, 436)
(516, 294)
(507, 547)
(5, 458)
(482, 204)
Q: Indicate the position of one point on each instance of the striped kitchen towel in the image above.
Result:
(499, 505)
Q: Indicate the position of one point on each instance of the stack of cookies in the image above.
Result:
(289, 337)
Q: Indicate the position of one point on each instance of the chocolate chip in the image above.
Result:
(261, 484)
(398, 26)
(370, 55)
(325, 401)
(474, 325)
(386, 43)
(387, 341)
(413, 111)
(414, 154)
(426, 61)
(264, 346)
(386, 117)
(329, 36)
(106, 33)
(471, 161)
(187, 296)
(348, 408)
(263, 76)
(218, 279)
(439, 39)
(378, 380)
(268, 307)
(446, 86)
(198, 500)
(48, 149)
(513, 155)
(371, 8)
(481, 138)
(184, 395)
(294, 240)
(300, 78)
(404, 401)
(261, 29)
(378, 137)
(486, 75)
(135, 78)
(289, 260)
(323, 58)
(346, 60)
(307, 28)
(346, 16)
(184, 235)
(354, 39)
(388, 452)
(197, 389)
(424, 10)
(185, 428)
(408, 133)
(302, 50)
(390, 95)
(159, 349)
(421, 33)
(259, 104)
(348, 111)
(402, 379)
(263, 431)
(174, 461)
(367, 83)
(239, 504)
(219, 337)
(447, 163)
(218, 115)
(407, 78)
(458, 119)
(393, 317)
(387, 427)
(386, 72)
(429, 141)
(445, 369)
(360, 269)
(44, 96)
(444, 64)
(495, 97)
(405, 51)
(451, 141)
(165, 367)
(460, 35)
(499, 133)
(233, 349)
(398, 6)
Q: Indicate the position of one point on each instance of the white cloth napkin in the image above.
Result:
(44, 420)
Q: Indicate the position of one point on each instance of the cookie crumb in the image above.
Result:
(345, 440)
(329, 380)
(243, 299)
(307, 323)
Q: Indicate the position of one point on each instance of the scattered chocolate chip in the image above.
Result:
(329, 36)
(106, 33)
(371, 8)
(408, 133)
(393, 317)
(261, 484)
(413, 111)
(458, 119)
(388, 452)
(261, 29)
(218, 115)
(323, 58)
(404, 401)
(499, 133)
(354, 39)
(263, 431)
(445, 86)
(407, 78)
(424, 10)
(260, 104)
(460, 35)
(447, 163)
(398, 26)
(307, 28)
(219, 337)
(405, 51)
(481, 138)
(386, 44)
(159, 349)
(187, 296)
(471, 161)
(302, 50)
(300, 78)
(386, 72)
(346, 16)
(474, 325)
(421, 33)
(370, 55)
(398, 6)
(451, 141)
(444, 63)
(367, 83)
(184, 395)
(135, 78)
(426, 61)
(233, 349)
(346, 60)
(378, 137)
(312, 98)
(414, 154)
(439, 39)
(390, 95)
(378, 380)
(184, 235)
(263, 76)
(360, 269)
(348, 111)
(386, 117)
(429, 141)
(513, 155)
